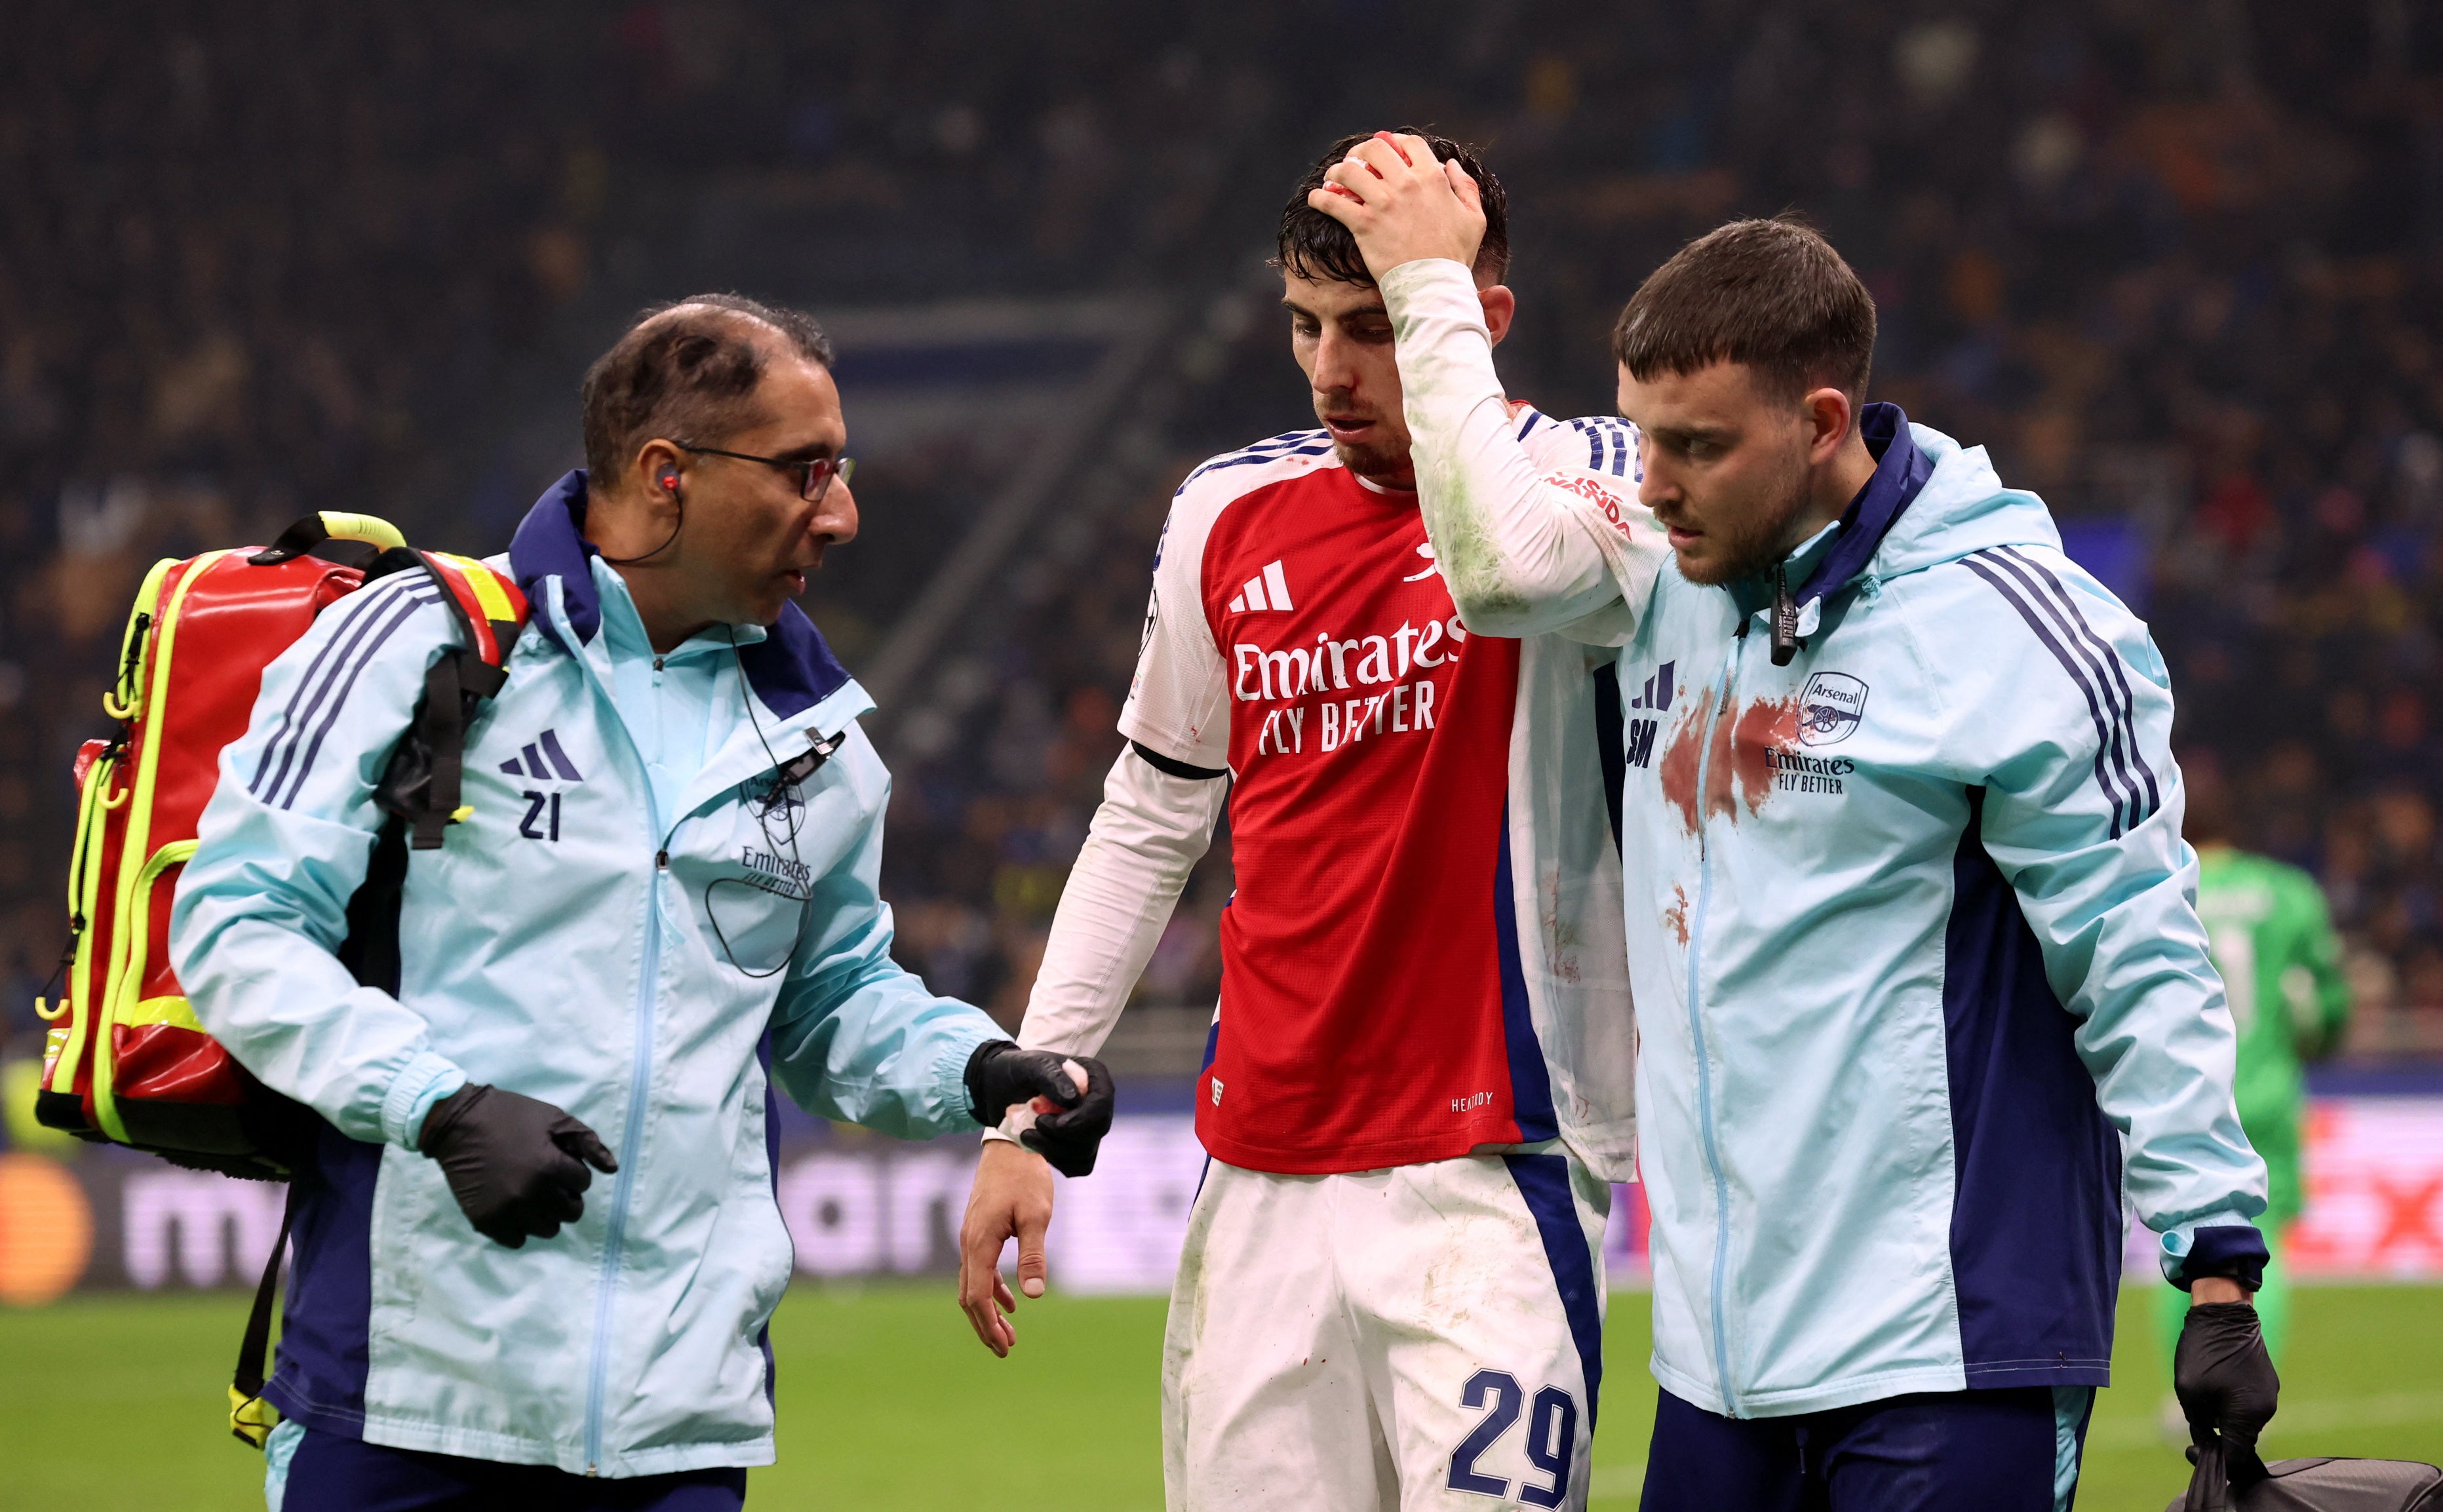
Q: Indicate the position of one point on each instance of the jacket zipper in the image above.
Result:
(1695, 1024)
(639, 1086)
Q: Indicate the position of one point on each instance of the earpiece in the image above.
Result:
(668, 477)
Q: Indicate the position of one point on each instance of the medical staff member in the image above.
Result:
(1909, 915)
(662, 900)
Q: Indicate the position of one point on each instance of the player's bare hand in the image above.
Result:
(1011, 1199)
(1402, 204)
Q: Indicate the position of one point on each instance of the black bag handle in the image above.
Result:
(358, 539)
(2211, 1485)
(254, 1350)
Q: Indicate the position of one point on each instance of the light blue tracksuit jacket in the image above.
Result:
(1911, 927)
(637, 962)
(1913, 936)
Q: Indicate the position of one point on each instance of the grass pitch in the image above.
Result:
(886, 1402)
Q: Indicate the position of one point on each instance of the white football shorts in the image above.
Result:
(1423, 1337)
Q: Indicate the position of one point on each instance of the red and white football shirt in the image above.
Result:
(1423, 954)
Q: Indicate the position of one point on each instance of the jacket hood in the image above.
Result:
(1963, 509)
(1930, 500)
(791, 668)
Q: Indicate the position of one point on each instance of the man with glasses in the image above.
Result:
(659, 900)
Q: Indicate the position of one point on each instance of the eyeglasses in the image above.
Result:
(815, 474)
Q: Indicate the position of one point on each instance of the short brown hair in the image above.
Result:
(688, 370)
(1770, 294)
(1313, 245)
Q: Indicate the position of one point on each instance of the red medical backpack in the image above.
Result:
(125, 1061)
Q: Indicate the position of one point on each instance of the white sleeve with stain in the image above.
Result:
(1526, 549)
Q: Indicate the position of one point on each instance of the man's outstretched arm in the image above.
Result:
(1159, 807)
(1524, 548)
(1154, 822)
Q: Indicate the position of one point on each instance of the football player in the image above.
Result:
(1417, 1088)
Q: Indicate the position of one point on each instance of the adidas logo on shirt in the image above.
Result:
(1267, 590)
(543, 758)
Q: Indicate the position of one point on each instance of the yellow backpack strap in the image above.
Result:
(490, 609)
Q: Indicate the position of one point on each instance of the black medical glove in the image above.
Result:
(1000, 1074)
(516, 1165)
(2226, 1383)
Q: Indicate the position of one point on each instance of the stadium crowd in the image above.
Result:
(272, 259)
(258, 259)
(2192, 298)
(2180, 266)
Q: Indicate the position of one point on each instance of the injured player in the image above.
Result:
(1417, 1093)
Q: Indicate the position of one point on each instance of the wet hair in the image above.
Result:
(1770, 294)
(1313, 245)
(687, 370)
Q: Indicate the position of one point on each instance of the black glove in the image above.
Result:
(1000, 1074)
(517, 1166)
(2225, 1384)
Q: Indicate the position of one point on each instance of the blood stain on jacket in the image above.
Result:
(1747, 740)
(1763, 729)
(1678, 771)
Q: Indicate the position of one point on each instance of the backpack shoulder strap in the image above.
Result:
(490, 609)
(422, 785)
(252, 1418)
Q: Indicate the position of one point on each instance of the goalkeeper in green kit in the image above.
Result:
(2273, 939)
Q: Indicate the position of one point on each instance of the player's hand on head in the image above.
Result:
(1402, 204)
(1011, 1199)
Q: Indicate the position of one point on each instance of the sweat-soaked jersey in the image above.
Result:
(1425, 954)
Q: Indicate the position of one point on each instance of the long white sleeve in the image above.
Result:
(1525, 549)
(1146, 836)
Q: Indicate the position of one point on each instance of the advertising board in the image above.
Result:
(862, 1208)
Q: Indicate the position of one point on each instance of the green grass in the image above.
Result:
(886, 1402)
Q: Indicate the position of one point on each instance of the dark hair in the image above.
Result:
(1770, 294)
(687, 369)
(1313, 245)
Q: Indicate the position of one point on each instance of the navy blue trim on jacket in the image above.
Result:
(1901, 471)
(1530, 1082)
(2036, 1214)
(326, 1329)
(791, 669)
(549, 544)
(2236, 1250)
